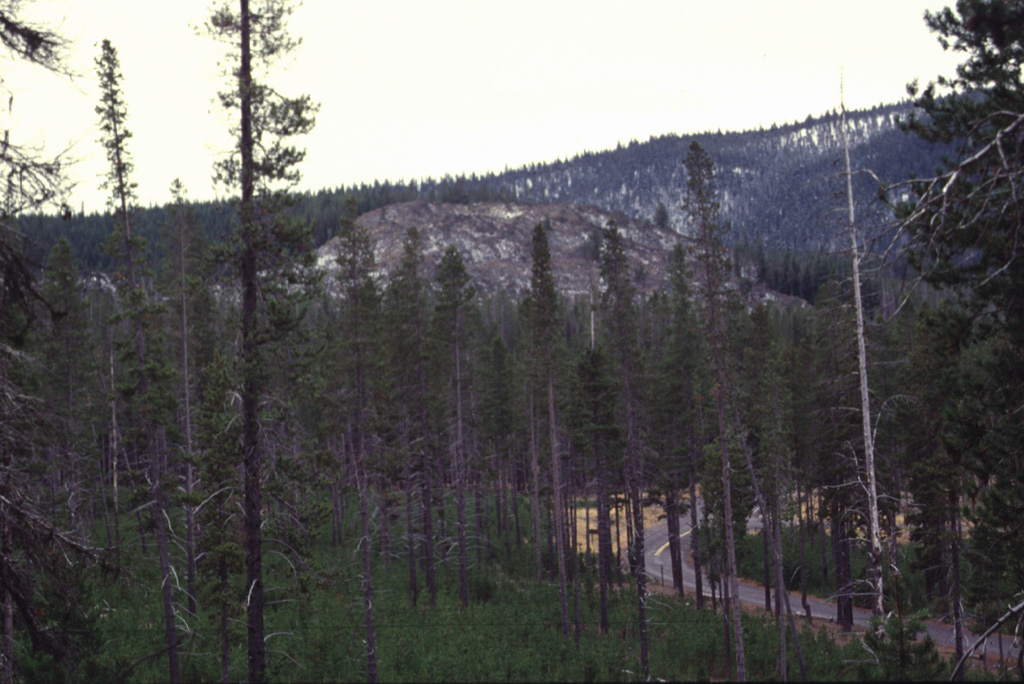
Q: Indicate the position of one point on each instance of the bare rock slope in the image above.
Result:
(494, 240)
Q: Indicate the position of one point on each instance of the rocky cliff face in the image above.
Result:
(494, 240)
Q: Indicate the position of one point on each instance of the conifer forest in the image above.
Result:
(228, 453)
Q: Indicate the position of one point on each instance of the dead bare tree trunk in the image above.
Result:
(865, 405)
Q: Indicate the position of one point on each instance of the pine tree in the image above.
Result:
(600, 438)
(32, 181)
(218, 454)
(147, 372)
(406, 312)
(67, 353)
(964, 227)
(360, 320)
(673, 408)
(455, 295)
(265, 242)
(620, 316)
(36, 574)
(497, 427)
(183, 271)
(836, 396)
(544, 312)
(701, 207)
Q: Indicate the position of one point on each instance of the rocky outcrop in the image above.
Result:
(494, 240)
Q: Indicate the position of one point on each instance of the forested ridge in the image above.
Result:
(779, 186)
(231, 461)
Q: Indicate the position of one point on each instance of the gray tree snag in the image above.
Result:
(865, 401)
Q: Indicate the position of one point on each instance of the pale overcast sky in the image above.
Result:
(410, 89)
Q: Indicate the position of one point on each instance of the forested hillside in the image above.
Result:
(780, 187)
(296, 438)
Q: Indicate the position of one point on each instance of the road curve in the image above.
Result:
(659, 566)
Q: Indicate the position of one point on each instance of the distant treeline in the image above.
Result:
(778, 185)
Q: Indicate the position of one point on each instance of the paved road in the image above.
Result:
(659, 565)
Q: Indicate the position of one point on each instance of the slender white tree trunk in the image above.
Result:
(865, 404)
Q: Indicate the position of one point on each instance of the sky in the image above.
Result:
(414, 88)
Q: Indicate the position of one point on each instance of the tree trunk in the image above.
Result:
(803, 557)
(730, 542)
(460, 522)
(252, 462)
(781, 588)
(821, 537)
(641, 572)
(875, 555)
(385, 527)
(514, 503)
(840, 544)
(550, 540)
(167, 588)
(586, 513)
(371, 648)
(498, 503)
(780, 581)
(428, 529)
(695, 532)
(113, 462)
(224, 633)
(338, 518)
(535, 469)
(672, 518)
(765, 527)
(728, 636)
(627, 503)
(190, 543)
(557, 503)
(483, 525)
(604, 541)
(958, 630)
(618, 541)
(575, 562)
(7, 650)
(459, 460)
(508, 493)
(410, 528)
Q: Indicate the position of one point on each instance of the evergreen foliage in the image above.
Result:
(964, 227)
(233, 442)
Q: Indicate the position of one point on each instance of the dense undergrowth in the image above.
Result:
(509, 632)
